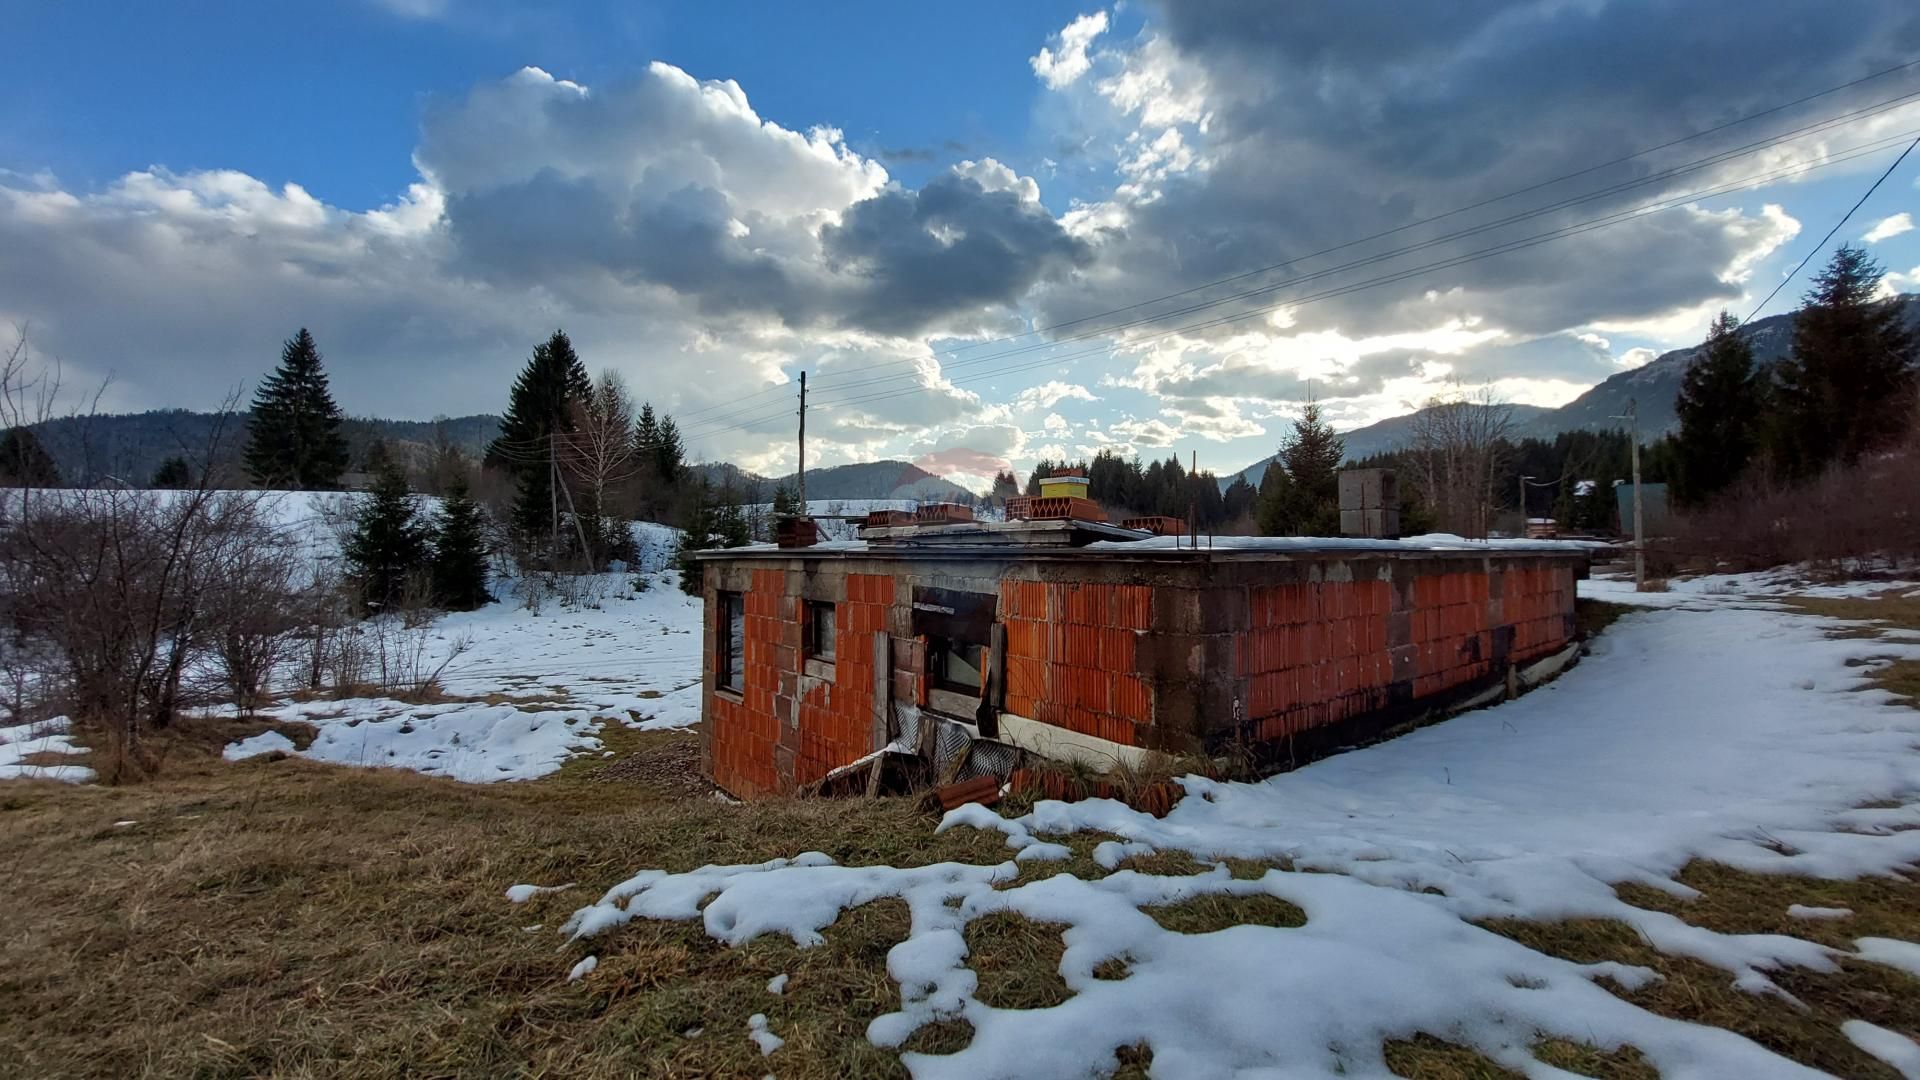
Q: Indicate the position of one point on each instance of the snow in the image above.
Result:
(267, 742)
(1711, 588)
(1425, 542)
(520, 894)
(567, 668)
(764, 1038)
(1723, 730)
(583, 969)
(1889, 1046)
(1802, 911)
(45, 737)
(1892, 952)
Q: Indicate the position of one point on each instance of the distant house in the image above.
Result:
(1653, 498)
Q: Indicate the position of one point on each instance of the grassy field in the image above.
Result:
(291, 918)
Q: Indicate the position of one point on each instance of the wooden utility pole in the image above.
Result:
(1639, 507)
(803, 444)
(553, 499)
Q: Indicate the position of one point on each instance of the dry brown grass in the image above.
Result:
(1424, 1057)
(1736, 902)
(295, 918)
(291, 918)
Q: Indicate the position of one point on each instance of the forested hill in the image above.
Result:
(1653, 386)
(128, 448)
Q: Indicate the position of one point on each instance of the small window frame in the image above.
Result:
(729, 655)
(939, 649)
(821, 634)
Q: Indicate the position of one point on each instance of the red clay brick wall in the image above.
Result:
(1320, 652)
(756, 748)
(1071, 651)
(1315, 652)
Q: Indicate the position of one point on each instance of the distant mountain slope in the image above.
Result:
(865, 480)
(129, 447)
(1653, 387)
(1386, 435)
(1655, 384)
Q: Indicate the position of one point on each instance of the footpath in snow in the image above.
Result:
(1722, 729)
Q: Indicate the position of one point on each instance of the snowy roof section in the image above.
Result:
(1176, 547)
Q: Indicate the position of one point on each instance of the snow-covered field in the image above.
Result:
(553, 677)
(1720, 728)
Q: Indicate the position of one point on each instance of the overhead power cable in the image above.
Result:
(1665, 203)
(737, 403)
(1801, 265)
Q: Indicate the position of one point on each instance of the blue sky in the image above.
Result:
(711, 197)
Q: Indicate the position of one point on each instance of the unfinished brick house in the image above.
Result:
(1077, 639)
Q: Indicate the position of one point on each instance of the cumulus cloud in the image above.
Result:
(1245, 135)
(673, 231)
(1058, 67)
(1048, 394)
(1889, 227)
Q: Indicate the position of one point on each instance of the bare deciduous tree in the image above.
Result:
(1455, 452)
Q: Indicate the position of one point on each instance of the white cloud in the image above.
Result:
(1635, 357)
(1056, 425)
(1059, 68)
(1889, 227)
(1049, 394)
(1153, 432)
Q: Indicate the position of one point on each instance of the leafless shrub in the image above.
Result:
(1846, 522)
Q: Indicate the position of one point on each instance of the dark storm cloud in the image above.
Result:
(1330, 123)
(950, 248)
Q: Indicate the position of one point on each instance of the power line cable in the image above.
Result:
(1389, 232)
(1836, 228)
(1577, 228)
(720, 423)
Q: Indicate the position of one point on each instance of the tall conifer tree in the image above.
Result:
(540, 406)
(1719, 406)
(1849, 386)
(293, 436)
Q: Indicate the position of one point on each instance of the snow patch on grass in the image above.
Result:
(44, 737)
(1892, 952)
(1728, 732)
(1802, 911)
(1889, 1046)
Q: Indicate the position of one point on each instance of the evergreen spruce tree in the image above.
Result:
(173, 473)
(1274, 509)
(1005, 486)
(730, 522)
(786, 503)
(24, 462)
(1719, 406)
(389, 545)
(1848, 388)
(670, 457)
(697, 535)
(1305, 500)
(540, 405)
(1238, 499)
(293, 436)
(459, 552)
